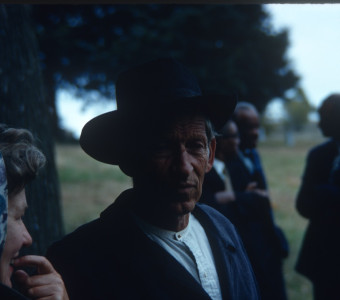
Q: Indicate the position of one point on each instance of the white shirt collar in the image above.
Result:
(219, 165)
(147, 227)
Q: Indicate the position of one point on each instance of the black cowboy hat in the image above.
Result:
(147, 92)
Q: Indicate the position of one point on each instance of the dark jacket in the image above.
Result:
(256, 206)
(7, 293)
(242, 176)
(319, 201)
(252, 216)
(111, 258)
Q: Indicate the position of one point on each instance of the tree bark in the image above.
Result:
(23, 105)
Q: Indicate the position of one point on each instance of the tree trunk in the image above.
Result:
(50, 91)
(23, 104)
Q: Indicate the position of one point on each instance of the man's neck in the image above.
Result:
(162, 219)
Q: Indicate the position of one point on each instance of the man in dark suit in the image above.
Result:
(319, 201)
(155, 241)
(247, 120)
(248, 208)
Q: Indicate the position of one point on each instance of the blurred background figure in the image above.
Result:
(231, 191)
(247, 120)
(319, 201)
(217, 185)
(20, 162)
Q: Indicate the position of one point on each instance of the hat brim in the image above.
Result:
(103, 136)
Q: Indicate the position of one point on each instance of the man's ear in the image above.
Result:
(211, 154)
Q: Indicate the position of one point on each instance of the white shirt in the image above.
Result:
(223, 172)
(219, 167)
(191, 248)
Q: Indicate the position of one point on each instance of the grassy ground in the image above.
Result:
(284, 167)
(88, 187)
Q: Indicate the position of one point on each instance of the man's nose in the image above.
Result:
(183, 163)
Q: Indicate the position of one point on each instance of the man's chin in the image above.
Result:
(182, 207)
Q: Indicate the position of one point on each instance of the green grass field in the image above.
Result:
(88, 187)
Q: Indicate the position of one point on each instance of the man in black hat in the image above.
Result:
(155, 241)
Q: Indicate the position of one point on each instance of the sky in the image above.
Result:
(314, 51)
(73, 115)
(314, 34)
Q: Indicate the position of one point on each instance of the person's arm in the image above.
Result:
(223, 197)
(47, 284)
(316, 194)
(253, 187)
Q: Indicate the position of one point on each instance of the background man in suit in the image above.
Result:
(319, 201)
(154, 241)
(247, 120)
(217, 186)
(248, 208)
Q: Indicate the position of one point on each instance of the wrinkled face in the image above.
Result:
(229, 141)
(179, 158)
(17, 235)
(248, 125)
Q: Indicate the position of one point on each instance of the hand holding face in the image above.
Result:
(47, 284)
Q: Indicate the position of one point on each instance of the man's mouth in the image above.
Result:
(185, 186)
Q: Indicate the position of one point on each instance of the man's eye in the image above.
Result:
(162, 149)
(196, 145)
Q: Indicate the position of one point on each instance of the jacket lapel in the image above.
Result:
(222, 251)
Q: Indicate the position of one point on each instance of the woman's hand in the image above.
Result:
(46, 285)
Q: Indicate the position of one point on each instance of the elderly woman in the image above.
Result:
(20, 161)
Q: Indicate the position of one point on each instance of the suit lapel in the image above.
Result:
(222, 251)
(239, 173)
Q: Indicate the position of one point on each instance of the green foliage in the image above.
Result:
(74, 175)
(231, 48)
(268, 125)
(298, 109)
(74, 167)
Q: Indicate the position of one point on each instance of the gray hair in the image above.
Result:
(22, 158)
(210, 130)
